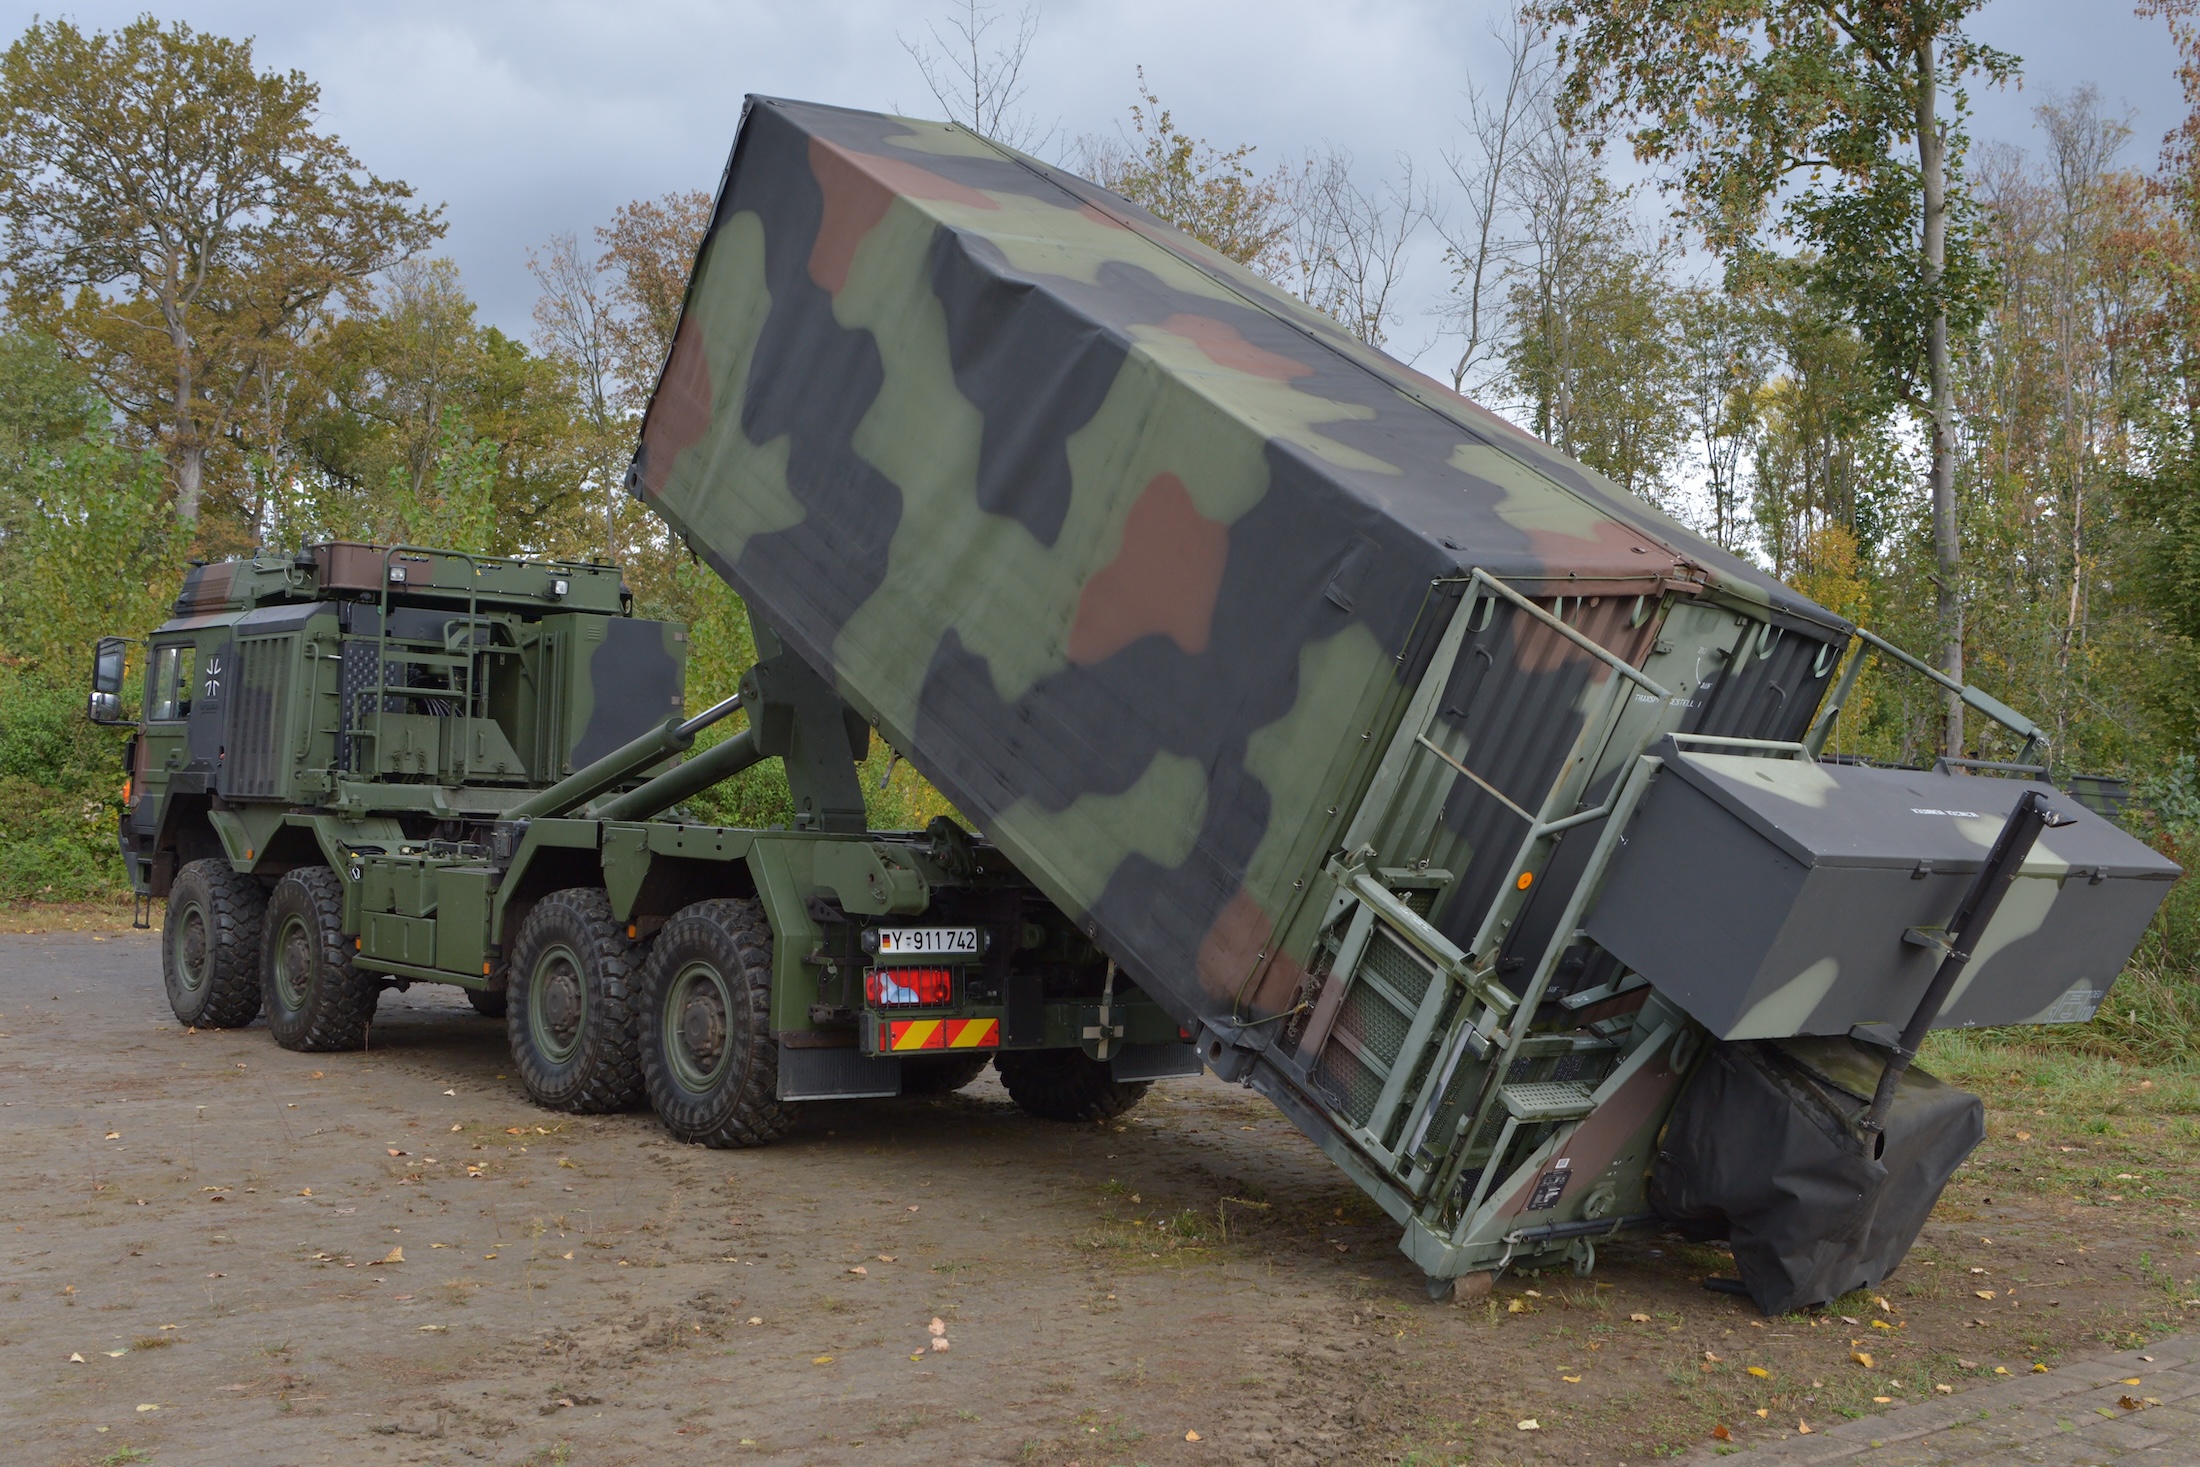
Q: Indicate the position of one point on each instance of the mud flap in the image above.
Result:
(1766, 1149)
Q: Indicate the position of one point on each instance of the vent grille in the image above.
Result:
(259, 723)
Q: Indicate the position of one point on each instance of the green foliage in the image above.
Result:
(1211, 194)
(1806, 115)
(173, 214)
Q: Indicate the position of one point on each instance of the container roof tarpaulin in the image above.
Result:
(1113, 538)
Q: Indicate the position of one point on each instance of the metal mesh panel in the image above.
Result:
(1372, 1024)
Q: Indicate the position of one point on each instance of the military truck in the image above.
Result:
(359, 767)
(1323, 730)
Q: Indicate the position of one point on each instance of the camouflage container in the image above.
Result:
(1134, 555)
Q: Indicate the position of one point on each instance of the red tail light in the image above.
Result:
(914, 988)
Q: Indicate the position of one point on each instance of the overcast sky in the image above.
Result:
(527, 119)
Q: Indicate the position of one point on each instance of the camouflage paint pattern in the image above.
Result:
(1127, 550)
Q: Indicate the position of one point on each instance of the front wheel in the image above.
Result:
(708, 1054)
(316, 1001)
(210, 946)
(569, 1004)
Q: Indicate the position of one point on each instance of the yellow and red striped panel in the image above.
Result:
(904, 1035)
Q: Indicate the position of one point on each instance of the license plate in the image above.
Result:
(928, 942)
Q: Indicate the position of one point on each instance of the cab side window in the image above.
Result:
(168, 683)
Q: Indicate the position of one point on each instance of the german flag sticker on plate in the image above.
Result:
(904, 1035)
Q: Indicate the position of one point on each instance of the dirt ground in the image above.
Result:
(215, 1251)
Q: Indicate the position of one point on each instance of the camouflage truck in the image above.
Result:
(1450, 796)
(359, 767)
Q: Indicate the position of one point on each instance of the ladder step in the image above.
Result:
(1547, 1100)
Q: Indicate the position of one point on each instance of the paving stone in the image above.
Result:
(2049, 1419)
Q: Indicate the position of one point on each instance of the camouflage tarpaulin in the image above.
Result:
(1123, 547)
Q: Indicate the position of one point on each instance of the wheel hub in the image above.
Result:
(562, 1002)
(703, 1026)
(191, 949)
(294, 964)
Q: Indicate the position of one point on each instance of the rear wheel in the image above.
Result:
(210, 946)
(941, 1076)
(569, 1004)
(708, 1053)
(316, 1000)
(1065, 1085)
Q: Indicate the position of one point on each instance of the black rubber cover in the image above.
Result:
(1765, 1149)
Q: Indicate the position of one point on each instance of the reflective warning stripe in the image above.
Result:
(917, 1034)
(908, 1034)
(973, 1033)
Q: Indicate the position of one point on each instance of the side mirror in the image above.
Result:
(105, 704)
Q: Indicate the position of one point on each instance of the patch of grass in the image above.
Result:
(152, 1342)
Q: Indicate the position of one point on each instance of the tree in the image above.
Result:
(175, 217)
(1588, 342)
(1348, 244)
(977, 86)
(1502, 124)
(1837, 123)
(1211, 194)
(649, 251)
(1722, 361)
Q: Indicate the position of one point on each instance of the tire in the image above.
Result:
(941, 1076)
(1065, 1085)
(569, 1005)
(489, 1003)
(709, 1056)
(316, 1000)
(210, 946)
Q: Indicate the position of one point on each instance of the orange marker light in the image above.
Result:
(1527, 879)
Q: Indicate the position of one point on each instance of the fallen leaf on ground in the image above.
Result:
(1516, 1306)
(1531, 1424)
(149, 1406)
(447, 1092)
(1760, 1372)
(76, 1359)
(2001, 1370)
(2134, 1380)
(822, 1360)
(1191, 1436)
(1639, 1318)
(114, 1136)
(2038, 1368)
(116, 1354)
(1571, 1379)
(1984, 1293)
(1883, 1400)
(1711, 1357)
(886, 1258)
(1802, 1427)
(860, 1271)
(941, 1342)
(1719, 1433)
(2127, 1403)
(938, 1326)
(1946, 1390)
(1763, 1412)
(1862, 1357)
(395, 1255)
